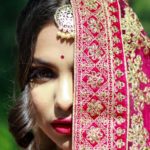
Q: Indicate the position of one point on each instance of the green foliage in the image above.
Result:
(9, 11)
(142, 9)
(6, 140)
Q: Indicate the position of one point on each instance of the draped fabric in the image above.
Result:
(111, 108)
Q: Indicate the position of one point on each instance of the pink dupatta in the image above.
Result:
(112, 78)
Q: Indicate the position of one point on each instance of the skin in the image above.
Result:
(52, 95)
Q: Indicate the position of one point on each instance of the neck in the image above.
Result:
(44, 142)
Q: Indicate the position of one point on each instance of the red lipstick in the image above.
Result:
(63, 125)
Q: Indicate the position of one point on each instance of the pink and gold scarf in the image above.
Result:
(112, 78)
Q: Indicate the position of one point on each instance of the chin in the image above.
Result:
(66, 145)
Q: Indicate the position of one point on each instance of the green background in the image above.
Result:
(9, 11)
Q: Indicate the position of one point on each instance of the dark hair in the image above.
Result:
(35, 15)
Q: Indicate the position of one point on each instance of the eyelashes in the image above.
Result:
(41, 75)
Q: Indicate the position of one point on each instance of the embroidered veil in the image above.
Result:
(112, 77)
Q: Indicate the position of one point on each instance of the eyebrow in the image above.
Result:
(37, 61)
(41, 62)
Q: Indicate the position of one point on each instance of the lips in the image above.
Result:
(63, 126)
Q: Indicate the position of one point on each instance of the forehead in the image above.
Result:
(50, 48)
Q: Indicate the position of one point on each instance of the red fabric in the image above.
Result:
(112, 78)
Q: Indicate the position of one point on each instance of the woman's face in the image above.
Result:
(52, 90)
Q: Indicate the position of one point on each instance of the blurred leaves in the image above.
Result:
(6, 140)
(142, 9)
(9, 11)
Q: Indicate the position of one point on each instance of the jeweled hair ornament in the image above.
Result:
(65, 22)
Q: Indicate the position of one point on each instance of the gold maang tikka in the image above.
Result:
(65, 22)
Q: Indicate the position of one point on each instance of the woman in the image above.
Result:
(111, 80)
(42, 119)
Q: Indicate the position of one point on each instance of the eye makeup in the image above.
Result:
(41, 74)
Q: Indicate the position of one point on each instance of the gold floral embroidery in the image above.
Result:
(117, 50)
(120, 109)
(137, 134)
(94, 108)
(120, 131)
(120, 84)
(117, 62)
(94, 25)
(147, 95)
(92, 4)
(119, 73)
(113, 9)
(116, 39)
(120, 143)
(120, 96)
(131, 25)
(115, 29)
(94, 135)
(114, 19)
(95, 79)
(120, 120)
(94, 51)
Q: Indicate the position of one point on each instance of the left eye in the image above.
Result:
(42, 75)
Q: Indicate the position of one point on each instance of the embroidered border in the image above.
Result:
(100, 102)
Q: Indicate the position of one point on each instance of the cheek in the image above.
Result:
(43, 102)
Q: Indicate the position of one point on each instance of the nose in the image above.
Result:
(64, 93)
